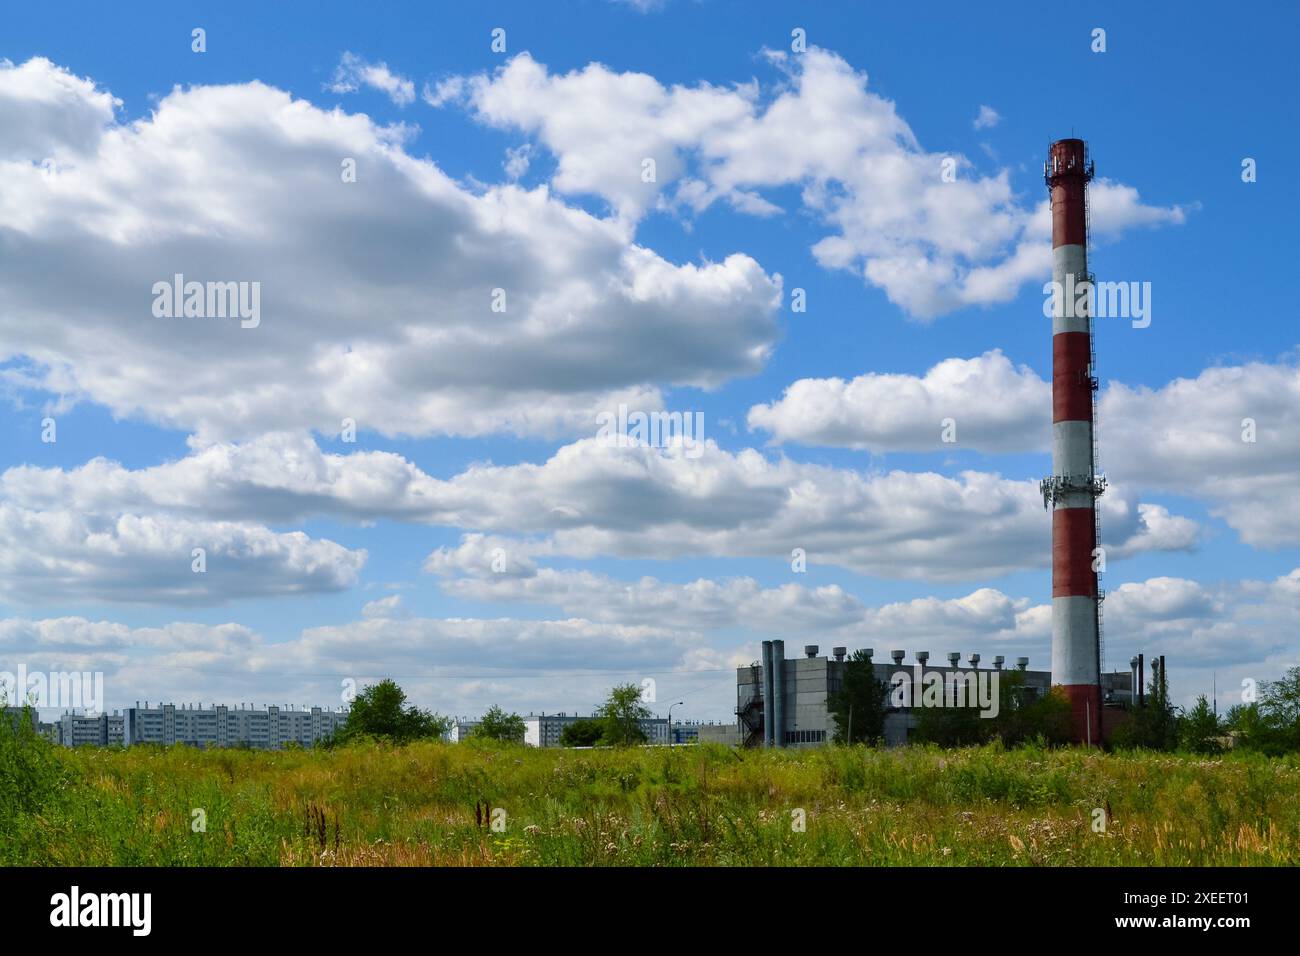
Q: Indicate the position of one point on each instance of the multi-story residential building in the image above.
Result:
(30, 715)
(94, 730)
(222, 726)
(17, 716)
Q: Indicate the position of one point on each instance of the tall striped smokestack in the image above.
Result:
(1071, 492)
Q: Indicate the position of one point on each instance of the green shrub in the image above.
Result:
(31, 777)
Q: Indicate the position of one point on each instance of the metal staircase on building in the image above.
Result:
(751, 711)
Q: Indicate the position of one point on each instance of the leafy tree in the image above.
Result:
(858, 707)
(380, 711)
(1023, 717)
(1162, 724)
(582, 733)
(1198, 728)
(1250, 731)
(30, 773)
(1271, 726)
(1279, 706)
(1155, 726)
(950, 726)
(621, 715)
(498, 725)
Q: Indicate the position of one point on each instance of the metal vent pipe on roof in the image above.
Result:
(766, 691)
(778, 693)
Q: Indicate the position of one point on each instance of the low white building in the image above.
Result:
(544, 730)
(461, 730)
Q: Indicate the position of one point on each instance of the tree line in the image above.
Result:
(381, 712)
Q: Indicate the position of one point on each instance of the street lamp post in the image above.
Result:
(670, 721)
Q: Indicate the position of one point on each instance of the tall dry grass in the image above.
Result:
(431, 804)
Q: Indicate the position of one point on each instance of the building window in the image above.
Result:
(805, 736)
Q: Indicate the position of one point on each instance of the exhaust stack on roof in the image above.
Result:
(768, 706)
(778, 693)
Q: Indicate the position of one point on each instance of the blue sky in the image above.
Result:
(1203, 549)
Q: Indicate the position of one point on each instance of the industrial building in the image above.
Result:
(685, 732)
(793, 709)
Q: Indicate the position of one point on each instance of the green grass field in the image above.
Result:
(427, 804)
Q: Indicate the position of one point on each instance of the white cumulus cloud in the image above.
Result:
(353, 72)
(994, 406)
(934, 243)
(403, 301)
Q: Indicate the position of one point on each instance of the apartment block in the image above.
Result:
(271, 728)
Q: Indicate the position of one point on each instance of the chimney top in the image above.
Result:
(810, 650)
(1022, 662)
(897, 656)
(999, 661)
(922, 656)
(953, 658)
(839, 652)
(975, 660)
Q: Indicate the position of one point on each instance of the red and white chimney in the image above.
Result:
(1071, 492)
